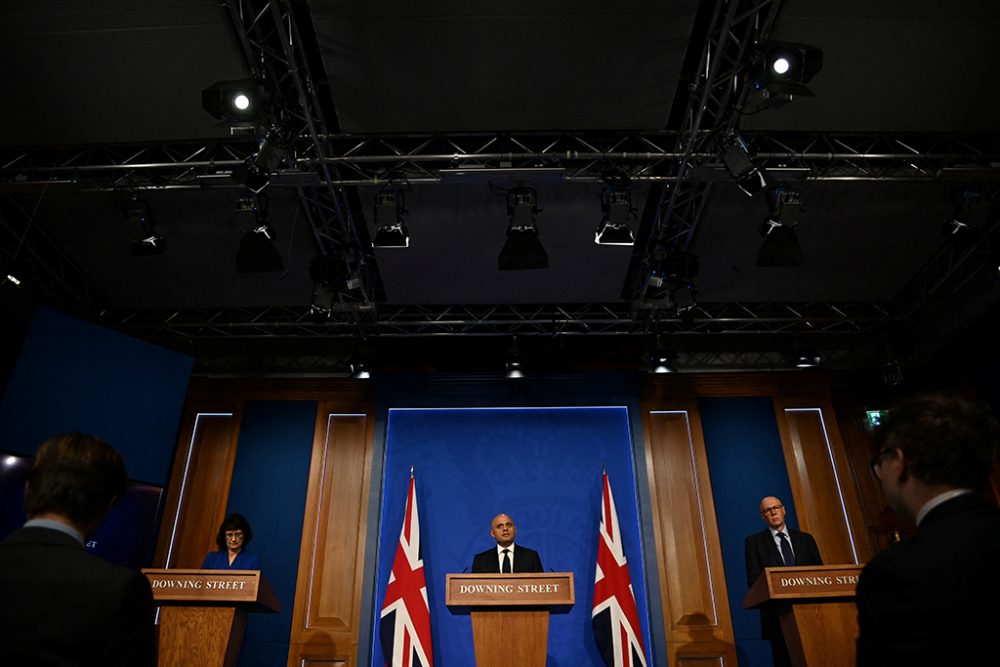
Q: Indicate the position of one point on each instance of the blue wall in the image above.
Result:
(540, 465)
(76, 376)
(745, 463)
(270, 477)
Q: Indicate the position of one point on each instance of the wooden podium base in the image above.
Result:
(505, 637)
(821, 634)
(204, 636)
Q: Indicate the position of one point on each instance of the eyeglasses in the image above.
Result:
(771, 510)
(234, 535)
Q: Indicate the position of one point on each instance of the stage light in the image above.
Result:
(805, 355)
(514, 366)
(360, 370)
(784, 68)
(241, 101)
(735, 156)
(138, 212)
(972, 211)
(781, 244)
(617, 212)
(257, 252)
(522, 250)
(390, 232)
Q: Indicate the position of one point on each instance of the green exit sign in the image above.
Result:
(875, 417)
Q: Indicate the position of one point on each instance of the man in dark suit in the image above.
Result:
(60, 605)
(934, 598)
(505, 557)
(777, 546)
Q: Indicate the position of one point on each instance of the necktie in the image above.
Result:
(786, 550)
(505, 568)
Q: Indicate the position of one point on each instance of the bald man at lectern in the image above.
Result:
(777, 546)
(506, 557)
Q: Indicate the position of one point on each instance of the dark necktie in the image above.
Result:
(786, 550)
(505, 568)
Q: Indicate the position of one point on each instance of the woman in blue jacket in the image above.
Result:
(234, 535)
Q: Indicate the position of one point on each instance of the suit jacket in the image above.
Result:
(761, 552)
(933, 598)
(61, 606)
(219, 560)
(525, 560)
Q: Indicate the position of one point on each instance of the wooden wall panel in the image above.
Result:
(199, 486)
(689, 559)
(826, 498)
(325, 622)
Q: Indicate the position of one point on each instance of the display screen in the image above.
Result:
(125, 537)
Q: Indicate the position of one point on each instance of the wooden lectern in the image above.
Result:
(203, 613)
(816, 606)
(510, 613)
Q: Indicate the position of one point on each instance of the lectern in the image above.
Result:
(203, 613)
(816, 606)
(510, 613)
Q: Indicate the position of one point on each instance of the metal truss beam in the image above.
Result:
(575, 156)
(500, 320)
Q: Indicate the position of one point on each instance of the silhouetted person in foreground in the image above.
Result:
(932, 599)
(59, 604)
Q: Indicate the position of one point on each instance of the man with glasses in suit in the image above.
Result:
(777, 546)
(934, 598)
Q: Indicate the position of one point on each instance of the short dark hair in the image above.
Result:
(234, 521)
(947, 439)
(76, 476)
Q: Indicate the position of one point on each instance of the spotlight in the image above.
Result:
(257, 253)
(616, 206)
(804, 355)
(522, 250)
(243, 100)
(390, 232)
(360, 370)
(137, 211)
(783, 68)
(514, 366)
(735, 156)
(781, 244)
(972, 210)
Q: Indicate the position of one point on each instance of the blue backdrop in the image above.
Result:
(542, 466)
(76, 376)
(746, 463)
(270, 478)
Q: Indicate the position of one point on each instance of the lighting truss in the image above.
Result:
(506, 319)
(583, 156)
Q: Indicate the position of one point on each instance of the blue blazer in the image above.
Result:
(219, 560)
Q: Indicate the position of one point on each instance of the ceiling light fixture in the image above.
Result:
(514, 366)
(390, 232)
(781, 243)
(522, 250)
(617, 212)
(972, 210)
(257, 252)
(784, 68)
(735, 155)
(805, 355)
(138, 212)
(240, 101)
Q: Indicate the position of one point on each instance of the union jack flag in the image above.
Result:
(405, 621)
(615, 616)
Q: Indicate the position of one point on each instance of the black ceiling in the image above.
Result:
(457, 105)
